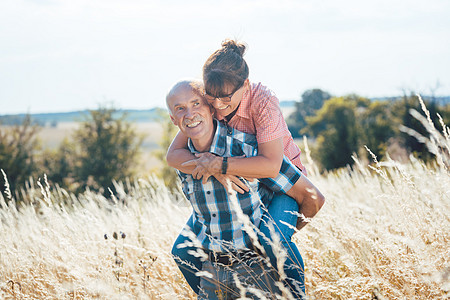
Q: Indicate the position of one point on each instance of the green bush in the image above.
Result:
(105, 149)
(19, 147)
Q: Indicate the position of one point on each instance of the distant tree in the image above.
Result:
(168, 174)
(337, 131)
(106, 149)
(401, 112)
(311, 101)
(19, 146)
(377, 125)
(59, 164)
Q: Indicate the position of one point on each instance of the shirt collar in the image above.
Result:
(219, 142)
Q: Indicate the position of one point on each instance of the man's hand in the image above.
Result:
(236, 183)
(206, 165)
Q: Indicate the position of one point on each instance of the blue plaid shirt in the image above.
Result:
(215, 221)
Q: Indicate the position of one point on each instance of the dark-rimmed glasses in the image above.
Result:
(223, 98)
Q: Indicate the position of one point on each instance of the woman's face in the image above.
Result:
(226, 105)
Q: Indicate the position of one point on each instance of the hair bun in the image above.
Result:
(232, 45)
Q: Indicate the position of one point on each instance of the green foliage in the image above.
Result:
(377, 127)
(166, 172)
(336, 129)
(345, 124)
(401, 115)
(106, 148)
(59, 164)
(312, 100)
(18, 150)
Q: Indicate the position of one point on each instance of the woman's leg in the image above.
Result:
(188, 264)
(279, 212)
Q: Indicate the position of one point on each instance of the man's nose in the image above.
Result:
(189, 113)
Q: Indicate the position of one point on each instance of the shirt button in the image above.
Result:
(214, 215)
(215, 237)
(208, 192)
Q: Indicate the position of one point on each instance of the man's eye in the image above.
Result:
(196, 103)
(179, 108)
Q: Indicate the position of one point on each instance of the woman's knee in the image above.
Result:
(283, 210)
(282, 202)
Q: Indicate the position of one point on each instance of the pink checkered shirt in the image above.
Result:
(259, 113)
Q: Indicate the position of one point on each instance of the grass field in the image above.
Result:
(378, 234)
(383, 233)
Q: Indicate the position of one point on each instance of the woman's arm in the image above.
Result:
(265, 165)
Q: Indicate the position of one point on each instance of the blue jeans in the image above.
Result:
(188, 264)
(280, 210)
(276, 211)
(250, 273)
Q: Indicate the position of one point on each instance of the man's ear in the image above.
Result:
(173, 120)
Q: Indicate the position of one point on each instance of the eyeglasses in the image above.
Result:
(223, 98)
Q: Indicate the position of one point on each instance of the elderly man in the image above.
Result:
(216, 224)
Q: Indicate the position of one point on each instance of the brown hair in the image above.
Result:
(225, 67)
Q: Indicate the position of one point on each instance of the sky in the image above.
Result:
(60, 56)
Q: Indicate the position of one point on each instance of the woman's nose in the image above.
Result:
(216, 103)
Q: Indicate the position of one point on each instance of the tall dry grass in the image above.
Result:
(382, 234)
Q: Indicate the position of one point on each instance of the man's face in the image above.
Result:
(192, 114)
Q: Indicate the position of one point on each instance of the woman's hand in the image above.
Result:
(236, 183)
(205, 165)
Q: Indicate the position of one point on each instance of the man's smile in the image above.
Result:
(193, 124)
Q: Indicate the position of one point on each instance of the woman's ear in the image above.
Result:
(247, 85)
